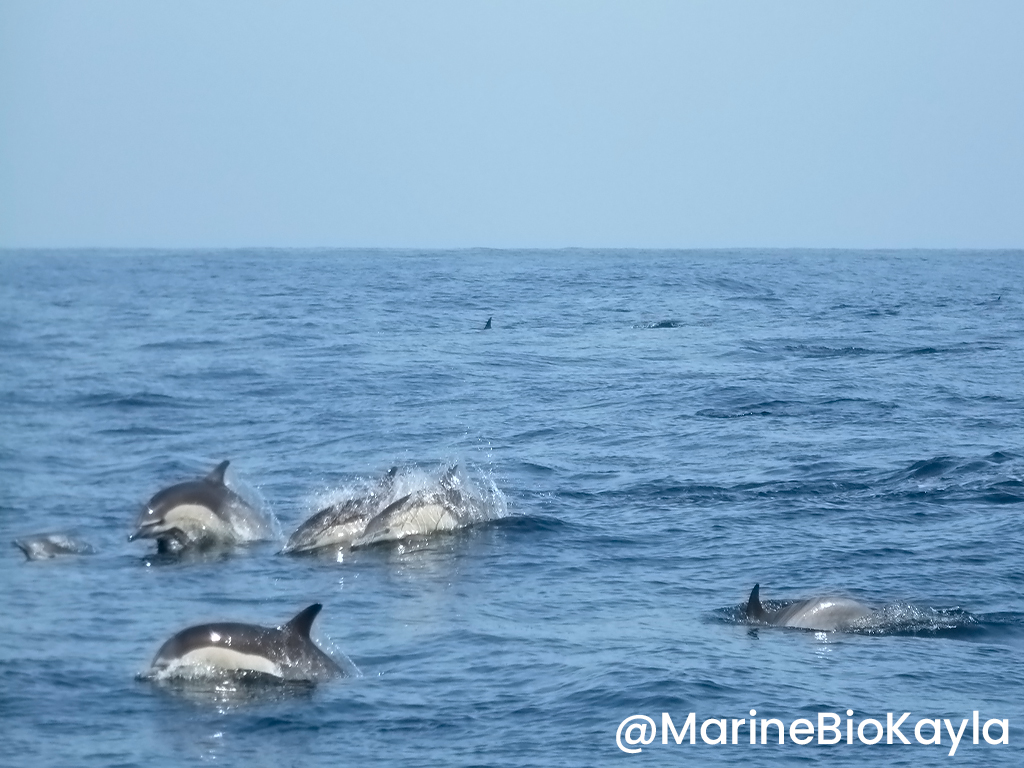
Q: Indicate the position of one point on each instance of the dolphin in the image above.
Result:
(197, 514)
(418, 514)
(826, 613)
(44, 546)
(487, 325)
(340, 524)
(280, 653)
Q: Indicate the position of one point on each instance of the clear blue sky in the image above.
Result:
(510, 124)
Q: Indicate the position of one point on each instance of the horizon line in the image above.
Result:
(505, 249)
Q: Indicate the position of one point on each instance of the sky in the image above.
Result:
(449, 124)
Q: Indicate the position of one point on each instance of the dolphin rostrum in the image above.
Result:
(282, 653)
(43, 546)
(824, 613)
(198, 514)
(419, 514)
(338, 525)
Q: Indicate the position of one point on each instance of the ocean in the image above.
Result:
(663, 430)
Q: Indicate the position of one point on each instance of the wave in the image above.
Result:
(661, 324)
(995, 478)
(139, 399)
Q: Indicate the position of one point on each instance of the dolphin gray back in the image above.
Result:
(211, 491)
(333, 526)
(822, 613)
(199, 492)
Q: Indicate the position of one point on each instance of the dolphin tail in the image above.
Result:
(754, 609)
(217, 475)
(303, 620)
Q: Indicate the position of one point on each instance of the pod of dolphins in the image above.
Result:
(205, 514)
(202, 514)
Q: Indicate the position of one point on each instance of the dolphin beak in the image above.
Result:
(143, 528)
(140, 532)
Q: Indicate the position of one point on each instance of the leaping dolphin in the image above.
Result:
(418, 514)
(44, 546)
(198, 514)
(282, 653)
(825, 613)
(338, 525)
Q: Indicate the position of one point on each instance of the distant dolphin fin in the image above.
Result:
(448, 478)
(487, 325)
(217, 475)
(303, 620)
(389, 478)
(754, 609)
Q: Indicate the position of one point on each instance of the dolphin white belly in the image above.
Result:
(215, 657)
(199, 523)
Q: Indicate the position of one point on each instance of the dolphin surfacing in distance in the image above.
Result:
(284, 653)
(825, 613)
(338, 525)
(199, 514)
(45, 546)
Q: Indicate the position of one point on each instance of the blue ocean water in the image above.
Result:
(666, 428)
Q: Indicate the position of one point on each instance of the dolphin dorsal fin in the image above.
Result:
(217, 475)
(394, 505)
(303, 620)
(754, 609)
(389, 478)
(448, 478)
